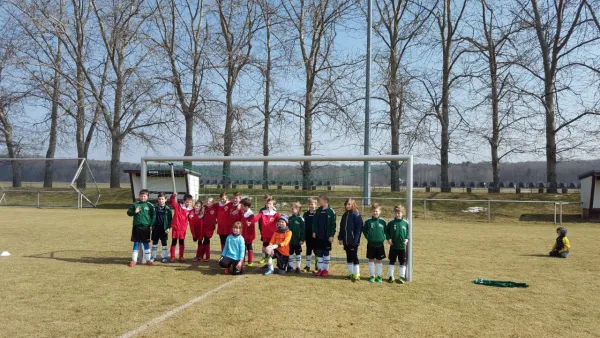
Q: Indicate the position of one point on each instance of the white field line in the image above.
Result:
(178, 309)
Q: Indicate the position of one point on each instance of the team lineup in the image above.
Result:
(283, 237)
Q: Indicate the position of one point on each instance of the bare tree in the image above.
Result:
(398, 24)
(562, 42)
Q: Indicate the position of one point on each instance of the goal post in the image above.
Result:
(72, 182)
(408, 159)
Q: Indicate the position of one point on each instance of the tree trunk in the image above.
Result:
(48, 170)
(306, 167)
(267, 105)
(80, 124)
(395, 97)
(550, 135)
(495, 117)
(13, 153)
(189, 136)
(228, 134)
(445, 113)
(115, 162)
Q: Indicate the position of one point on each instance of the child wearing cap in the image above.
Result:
(279, 247)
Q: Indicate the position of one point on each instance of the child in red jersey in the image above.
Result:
(224, 226)
(208, 227)
(179, 224)
(248, 228)
(268, 218)
(236, 209)
(196, 225)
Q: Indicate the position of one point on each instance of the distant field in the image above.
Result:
(67, 277)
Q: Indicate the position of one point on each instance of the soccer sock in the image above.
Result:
(308, 260)
(207, 251)
(357, 270)
(403, 271)
(319, 263)
(298, 261)
(270, 263)
(181, 251)
(154, 250)
(172, 251)
(164, 252)
(291, 261)
(379, 268)
(326, 262)
(199, 251)
(372, 268)
(350, 268)
(134, 256)
(250, 256)
(147, 254)
(390, 271)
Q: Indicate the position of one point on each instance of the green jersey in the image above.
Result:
(397, 231)
(297, 227)
(146, 217)
(374, 231)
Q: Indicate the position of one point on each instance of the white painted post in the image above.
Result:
(38, 199)
(424, 207)
(409, 211)
(561, 212)
(555, 212)
(489, 211)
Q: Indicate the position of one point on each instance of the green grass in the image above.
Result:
(67, 277)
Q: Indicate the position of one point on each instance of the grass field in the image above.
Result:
(67, 277)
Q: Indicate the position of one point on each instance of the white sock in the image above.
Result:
(403, 271)
(291, 261)
(379, 269)
(165, 252)
(298, 261)
(372, 268)
(357, 270)
(154, 250)
(147, 254)
(270, 263)
(308, 260)
(390, 271)
(350, 268)
(319, 263)
(134, 256)
(326, 262)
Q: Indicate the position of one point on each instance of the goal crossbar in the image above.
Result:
(357, 158)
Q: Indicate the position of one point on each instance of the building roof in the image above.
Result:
(162, 172)
(589, 173)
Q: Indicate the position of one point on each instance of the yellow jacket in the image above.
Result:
(565, 245)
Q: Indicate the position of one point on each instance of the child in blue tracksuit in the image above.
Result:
(349, 236)
(234, 251)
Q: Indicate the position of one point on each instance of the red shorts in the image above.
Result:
(198, 231)
(208, 234)
(178, 234)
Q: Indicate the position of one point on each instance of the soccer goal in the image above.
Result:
(48, 183)
(288, 180)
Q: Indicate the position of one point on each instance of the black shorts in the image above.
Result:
(397, 254)
(159, 234)
(295, 249)
(310, 243)
(140, 234)
(377, 253)
(322, 244)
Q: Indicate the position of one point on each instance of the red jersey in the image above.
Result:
(180, 216)
(269, 223)
(236, 213)
(210, 219)
(224, 225)
(196, 223)
(248, 226)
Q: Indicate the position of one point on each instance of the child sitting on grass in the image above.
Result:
(143, 215)
(374, 230)
(233, 251)
(561, 246)
(396, 234)
(161, 227)
(279, 247)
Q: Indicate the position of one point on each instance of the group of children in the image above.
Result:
(282, 236)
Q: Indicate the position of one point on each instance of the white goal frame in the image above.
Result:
(359, 158)
(80, 195)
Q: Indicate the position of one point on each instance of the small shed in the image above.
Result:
(590, 194)
(186, 182)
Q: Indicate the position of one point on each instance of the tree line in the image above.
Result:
(450, 78)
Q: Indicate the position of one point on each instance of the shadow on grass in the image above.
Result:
(536, 255)
(550, 218)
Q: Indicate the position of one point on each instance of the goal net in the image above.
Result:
(47, 183)
(287, 180)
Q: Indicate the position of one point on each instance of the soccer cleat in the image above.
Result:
(319, 273)
(307, 268)
(226, 271)
(164, 260)
(372, 279)
(289, 269)
(355, 278)
(181, 260)
(132, 264)
(297, 270)
(282, 271)
(325, 273)
(390, 279)
(196, 259)
(172, 259)
(268, 272)
(250, 264)
(400, 280)
(152, 259)
(350, 276)
(262, 261)
(378, 279)
(205, 260)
